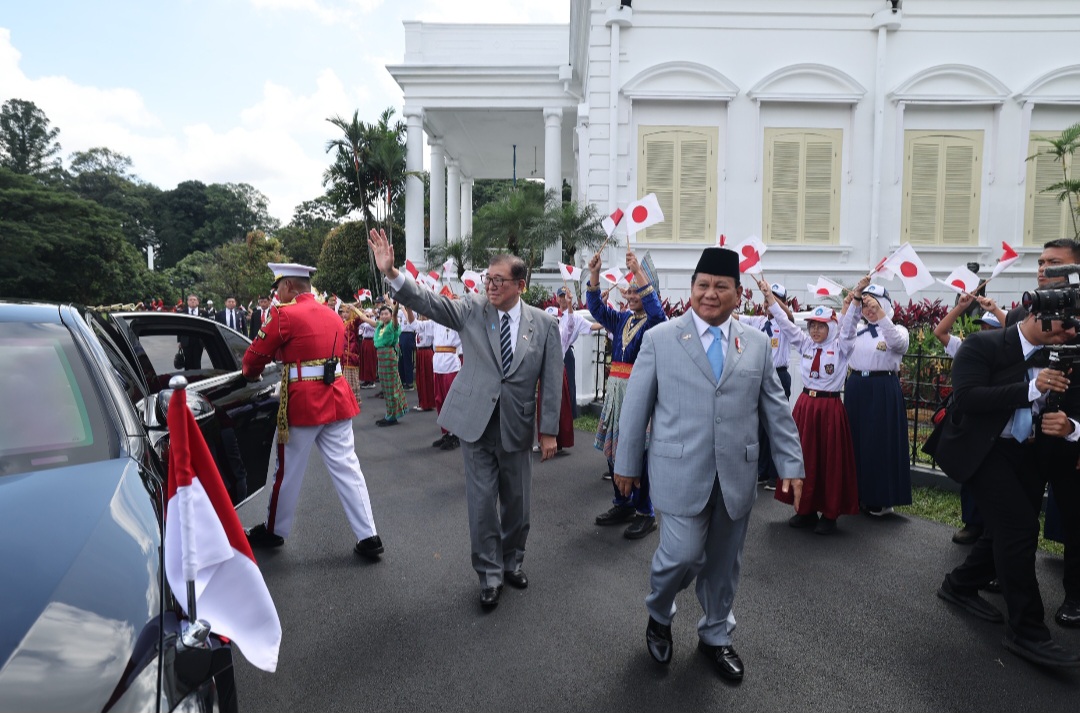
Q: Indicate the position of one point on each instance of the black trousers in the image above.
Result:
(1008, 489)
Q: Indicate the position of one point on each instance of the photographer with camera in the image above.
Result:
(1052, 278)
(1003, 438)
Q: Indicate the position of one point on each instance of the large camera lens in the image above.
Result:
(1056, 301)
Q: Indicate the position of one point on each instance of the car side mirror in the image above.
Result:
(200, 406)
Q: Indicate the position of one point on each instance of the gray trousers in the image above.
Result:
(707, 546)
(498, 486)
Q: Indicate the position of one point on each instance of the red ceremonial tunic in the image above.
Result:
(304, 332)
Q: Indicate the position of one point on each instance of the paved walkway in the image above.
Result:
(849, 622)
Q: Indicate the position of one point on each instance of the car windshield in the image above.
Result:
(51, 416)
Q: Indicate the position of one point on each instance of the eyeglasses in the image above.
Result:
(497, 280)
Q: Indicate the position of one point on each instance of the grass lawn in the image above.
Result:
(928, 503)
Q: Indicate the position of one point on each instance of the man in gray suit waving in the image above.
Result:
(508, 347)
(705, 381)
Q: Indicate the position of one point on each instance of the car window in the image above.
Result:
(52, 415)
(161, 350)
(238, 344)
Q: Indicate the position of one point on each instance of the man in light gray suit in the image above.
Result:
(704, 381)
(508, 347)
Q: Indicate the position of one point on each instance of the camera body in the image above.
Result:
(1056, 303)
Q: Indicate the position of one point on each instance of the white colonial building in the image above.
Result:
(835, 130)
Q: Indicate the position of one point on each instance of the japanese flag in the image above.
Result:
(906, 264)
(962, 280)
(570, 273)
(880, 269)
(471, 280)
(642, 214)
(612, 276)
(205, 544)
(1008, 257)
(448, 268)
(411, 269)
(825, 288)
(750, 252)
(612, 221)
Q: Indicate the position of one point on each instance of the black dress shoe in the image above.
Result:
(658, 639)
(516, 579)
(617, 515)
(1042, 653)
(993, 586)
(387, 422)
(825, 526)
(971, 603)
(370, 547)
(727, 662)
(968, 535)
(800, 521)
(259, 536)
(1068, 614)
(442, 440)
(489, 597)
(450, 443)
(640, 527)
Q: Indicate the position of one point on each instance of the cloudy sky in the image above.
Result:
(221, 91)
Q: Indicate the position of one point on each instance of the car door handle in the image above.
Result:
(265, 391)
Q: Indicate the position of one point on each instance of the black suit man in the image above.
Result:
(192, 345)
(1056, 253)
(258, 316)
(989, 443)
(232, 316)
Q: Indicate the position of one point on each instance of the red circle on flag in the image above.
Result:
(822, 291)
(909, 269)
(749, 251)
(640, 214)
(959, 284)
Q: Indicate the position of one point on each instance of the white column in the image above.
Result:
(453, 201)
(553, 173)
(414, 187)
(437, 195)
(466, 206)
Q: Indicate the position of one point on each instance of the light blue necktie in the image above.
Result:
(1021, 424)
(716, 352)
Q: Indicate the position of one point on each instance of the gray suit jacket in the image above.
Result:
(480, 385)
(702, 430)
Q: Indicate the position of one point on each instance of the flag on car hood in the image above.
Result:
(205, 543)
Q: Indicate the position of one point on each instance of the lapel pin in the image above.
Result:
(686, 337)
(738, 345)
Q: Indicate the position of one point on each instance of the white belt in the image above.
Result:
(310, 372)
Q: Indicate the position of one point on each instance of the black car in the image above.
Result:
(87, 619)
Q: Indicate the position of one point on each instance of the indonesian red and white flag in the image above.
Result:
(411, 269)
(962, 280)
(447, 291)
(750, 252)
(363, 295)
(825, 288)
(205, 544)
(471, 280)
(721, 242)
(906, 264)
(612, 221)
(612, 276)
(570, 273)
(1008, 257)
(642, 214)
(429, 280)
(448, 268)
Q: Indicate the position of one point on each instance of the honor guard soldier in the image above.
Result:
(317, 408)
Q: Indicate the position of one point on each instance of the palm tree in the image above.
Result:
(1063, 148)
(578, 226)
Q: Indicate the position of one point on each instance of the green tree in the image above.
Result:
(28, 144)
(239, 269)
(302, 239)
(1063, 148)
(60, 247)
(343, 265)
(105, 177)
(578, 227)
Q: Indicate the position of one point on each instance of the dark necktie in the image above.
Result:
(768, 327)
(815, 366)
(506, 346)
(870, 327)
(232, 325)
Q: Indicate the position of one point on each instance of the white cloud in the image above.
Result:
(327, 11)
